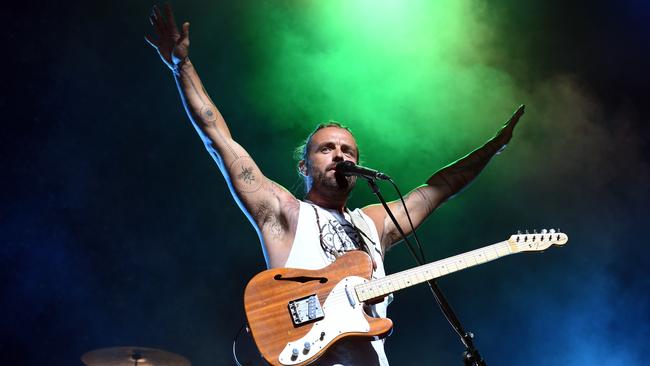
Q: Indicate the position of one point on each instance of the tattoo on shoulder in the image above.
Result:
(245, 175)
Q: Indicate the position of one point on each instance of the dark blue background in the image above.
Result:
(117, 229)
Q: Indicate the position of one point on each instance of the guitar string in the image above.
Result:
(390, 280)
(393, 279)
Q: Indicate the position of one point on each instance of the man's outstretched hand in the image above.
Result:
(505, 133)
(172, 46)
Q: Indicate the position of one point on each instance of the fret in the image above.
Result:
(471, 261)
(460, 263)
(401, 280)
(502, 250)
(413, 276)
(421, 277)
(479, 258)
(451, 266)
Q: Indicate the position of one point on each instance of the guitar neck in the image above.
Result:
(400, 280)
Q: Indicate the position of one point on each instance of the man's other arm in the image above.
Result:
(442, 185)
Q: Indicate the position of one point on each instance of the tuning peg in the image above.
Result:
(552, 231)
(535, 231)
(544, 231)
(518, 232)
(526, 231)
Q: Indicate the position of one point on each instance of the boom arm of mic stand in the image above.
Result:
(471, 356)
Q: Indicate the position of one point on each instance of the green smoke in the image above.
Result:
(412, 77)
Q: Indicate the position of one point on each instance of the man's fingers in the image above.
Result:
(158, 17)
(520, 111)
(156, 22)
(169, 15)
(186, 31)
(515, 117)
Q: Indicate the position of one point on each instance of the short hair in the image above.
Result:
(302, 151)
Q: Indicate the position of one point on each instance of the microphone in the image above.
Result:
(349, 168)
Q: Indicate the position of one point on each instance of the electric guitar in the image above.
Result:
(295, 315)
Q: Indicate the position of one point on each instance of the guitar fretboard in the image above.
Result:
(400, 280)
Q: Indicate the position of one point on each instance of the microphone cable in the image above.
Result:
(422, 258)
(442, 302)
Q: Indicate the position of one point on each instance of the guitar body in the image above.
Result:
(295, 315)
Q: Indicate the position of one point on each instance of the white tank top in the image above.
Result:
(308, 253)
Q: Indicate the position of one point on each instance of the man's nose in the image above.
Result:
(338, 155)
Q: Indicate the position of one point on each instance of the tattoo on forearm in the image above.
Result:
(445, 182)
(208, 113)
(206, 93)
(459, 174)
(190, 81)
(429, 206)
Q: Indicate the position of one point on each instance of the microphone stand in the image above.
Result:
(471, 356)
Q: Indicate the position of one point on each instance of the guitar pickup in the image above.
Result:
(306, 310)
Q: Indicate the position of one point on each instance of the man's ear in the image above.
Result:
(302, 168)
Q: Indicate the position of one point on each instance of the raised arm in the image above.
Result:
(441, 186)
(263, 201)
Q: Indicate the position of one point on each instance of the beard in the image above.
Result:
(333, 184)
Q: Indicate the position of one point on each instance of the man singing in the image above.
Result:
(313, 232)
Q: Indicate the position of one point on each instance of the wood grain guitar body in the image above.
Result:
(295, 315)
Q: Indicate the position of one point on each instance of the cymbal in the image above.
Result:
(132, 356)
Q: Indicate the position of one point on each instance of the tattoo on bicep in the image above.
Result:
(245, 175)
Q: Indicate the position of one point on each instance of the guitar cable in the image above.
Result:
(234, 342)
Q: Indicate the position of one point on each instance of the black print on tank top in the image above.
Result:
(339, 238)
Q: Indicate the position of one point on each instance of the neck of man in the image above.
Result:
(329, 201)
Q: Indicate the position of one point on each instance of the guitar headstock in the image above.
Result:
(537, 241)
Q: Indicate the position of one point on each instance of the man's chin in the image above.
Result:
(339, 185)
(343, 183)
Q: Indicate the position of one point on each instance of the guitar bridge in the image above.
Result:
(305, 310)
